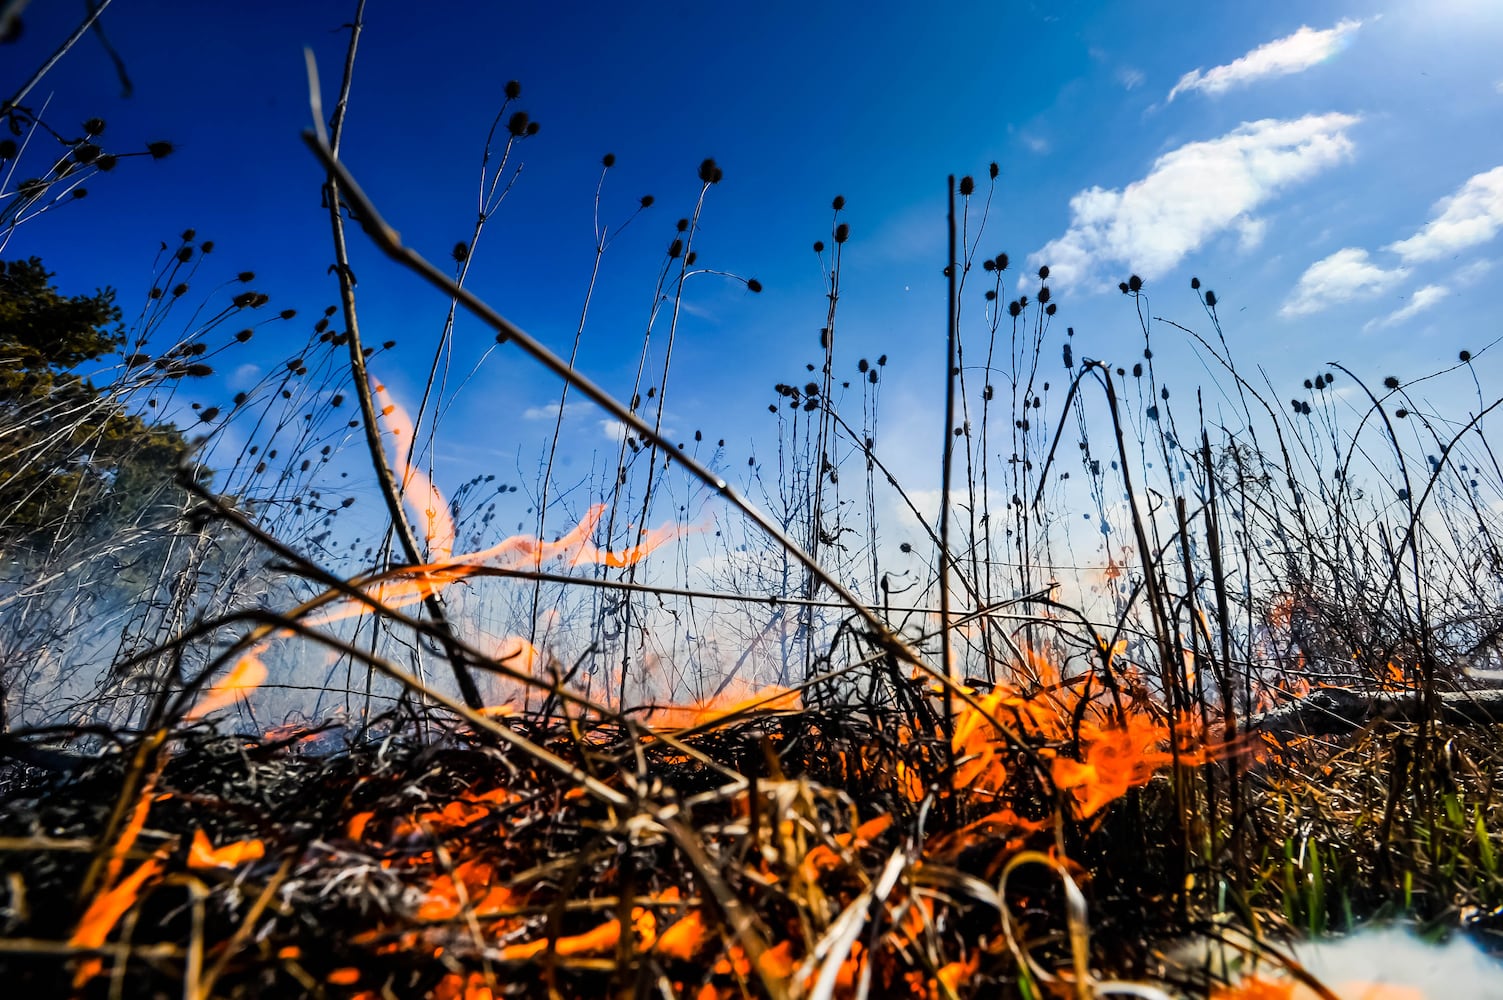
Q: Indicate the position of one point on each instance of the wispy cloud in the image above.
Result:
(1130, 77)
(244, 376)
(1037, 144)
(1191, 194)
(1471, 216)
(1345, 275)
(548, 411)
(1421, 300)
(1472, 273)
(613, 429)
(1291, 54)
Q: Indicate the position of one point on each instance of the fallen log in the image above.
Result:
(1337, 711)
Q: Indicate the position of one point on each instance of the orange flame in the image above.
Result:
(203, 854)
(417, 489)
(685, 939)
(574, 548)
(105, 912)
(249, 673)
(517, 653)
(1116, 752)
(455, 986)
(736, 698)
(599, 939)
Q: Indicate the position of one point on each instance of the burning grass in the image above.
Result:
(765, 852)
(773, 851)
(540, 766)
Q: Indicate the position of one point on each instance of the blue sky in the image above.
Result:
(1334, 171)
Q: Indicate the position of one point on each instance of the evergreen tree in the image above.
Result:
(73, 460)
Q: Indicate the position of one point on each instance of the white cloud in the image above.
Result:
(1191, 194)
(1037, 145)
(548, 411)
(1471, 216)
(1292, 54)
(1345, 275)
(1130, 77)
(244, 376)
(1472, 273)
(1421, 300)
(1250, 233)
(613, 429)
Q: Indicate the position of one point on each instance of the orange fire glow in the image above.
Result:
(105, 912)
(735, 699)
(519, 552)
(417, 489)
(599, 939)
(1116, 752)
(248, 674)
(203, 854)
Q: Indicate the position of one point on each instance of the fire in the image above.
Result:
(105, 912)
(203, 854)
(417, 489)
(734, 699)
(519, 552)
(1116, 751)
(1113, 759)
(602, 938)
(517, 653)
(248, 674)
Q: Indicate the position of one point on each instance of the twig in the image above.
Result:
(947, 463)
(390, 491)
(52, 60)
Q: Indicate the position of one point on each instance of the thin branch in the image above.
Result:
(390, 490)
